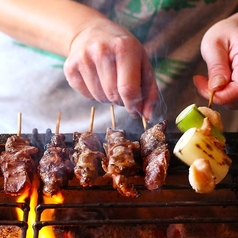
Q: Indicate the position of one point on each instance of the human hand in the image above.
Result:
(219, 49)
(108, 64)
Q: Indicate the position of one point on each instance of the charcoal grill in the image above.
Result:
(101, 205)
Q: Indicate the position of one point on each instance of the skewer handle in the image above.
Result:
(19, 123)
(144, 123)
(113, 117)
(91, 119)
(211, 99)
(58, 123)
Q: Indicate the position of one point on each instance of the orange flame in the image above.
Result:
(47, 215)
(32, 193)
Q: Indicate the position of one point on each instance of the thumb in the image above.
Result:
(216, 55)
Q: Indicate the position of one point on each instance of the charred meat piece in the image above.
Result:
(120, 162)
(155, 155)
(17, 165)
(55, 168)
(87, 157)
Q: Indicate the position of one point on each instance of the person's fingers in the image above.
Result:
(75, 79)
(227, 96)
(106, 69)
(219, 50)
(201, 83)
(128, 62)
(89, 73)
(215, 51)
(87, 70)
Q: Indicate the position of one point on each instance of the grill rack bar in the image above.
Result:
(99, 222)
(232, 186)
(232, 151)
(39, 225)
(22, 223)
(41, 207)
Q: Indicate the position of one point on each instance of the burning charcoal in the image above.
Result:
(10, 231)
(201, 230)
(142, 231)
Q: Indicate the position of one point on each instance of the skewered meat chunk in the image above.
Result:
(17, 165)
(87, 157)
(120, 162)
(55, 168)
(155, 155)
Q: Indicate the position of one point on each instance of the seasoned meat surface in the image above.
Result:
(17, 165)
(120, 162)
(155, 155)
(87, 140)
(17, 143)
(55, 168)
(87, 157)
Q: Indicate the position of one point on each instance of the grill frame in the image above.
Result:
(176, 168)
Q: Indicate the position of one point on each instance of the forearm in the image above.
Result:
(47, 24)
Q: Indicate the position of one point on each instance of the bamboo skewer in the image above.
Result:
(91, 119)
(211, 99)
(58, 123)
(144, 122)
(19, 126)
(19, 123)
(113, 117)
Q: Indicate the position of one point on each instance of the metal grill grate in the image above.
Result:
(175, 203)
(22, 224)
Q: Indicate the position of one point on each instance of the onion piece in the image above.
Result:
(193, 144)
(191, 117)
(214, 117)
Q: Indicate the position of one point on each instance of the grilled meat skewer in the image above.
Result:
(120, 162)
(17, 165)
(55, 168)
(87, 157)
(155, 155)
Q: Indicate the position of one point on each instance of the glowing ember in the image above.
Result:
(47, 215)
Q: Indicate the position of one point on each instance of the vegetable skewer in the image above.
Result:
(196, 144)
